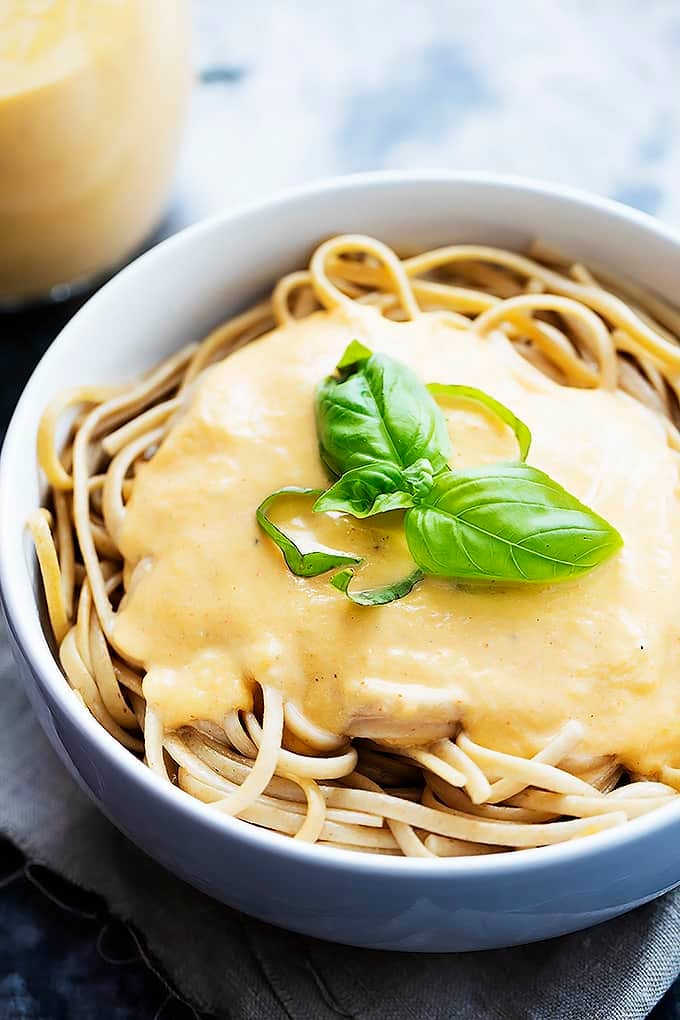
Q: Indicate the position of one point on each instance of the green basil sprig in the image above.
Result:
(384, 437)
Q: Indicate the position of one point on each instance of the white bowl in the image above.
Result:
(176, 293)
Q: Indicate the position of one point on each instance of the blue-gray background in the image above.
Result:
(584, 92)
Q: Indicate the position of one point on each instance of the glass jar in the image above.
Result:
(92, 102)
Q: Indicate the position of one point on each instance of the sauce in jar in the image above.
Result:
(92, 100)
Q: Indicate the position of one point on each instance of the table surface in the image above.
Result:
(574, 92)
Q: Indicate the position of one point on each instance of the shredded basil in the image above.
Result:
(476, 396)
(309, 564)
(376, 596)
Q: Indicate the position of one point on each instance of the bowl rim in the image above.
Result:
(16, 591)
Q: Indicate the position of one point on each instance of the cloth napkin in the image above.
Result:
(235, 967)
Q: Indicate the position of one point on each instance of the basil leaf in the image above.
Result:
(506, 522)
(368, 490)
(355, 354)
(380, 412)
(376, 596)
(419, 478)
(471, 393)
(309, 564)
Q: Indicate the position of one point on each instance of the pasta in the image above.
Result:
(270, 763)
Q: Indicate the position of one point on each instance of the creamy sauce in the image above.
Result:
(215, 606)
(92, 95)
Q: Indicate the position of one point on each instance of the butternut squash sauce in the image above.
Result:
(215, 606)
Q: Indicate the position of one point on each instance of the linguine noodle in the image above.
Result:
(272, 766)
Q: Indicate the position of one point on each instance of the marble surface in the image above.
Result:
(583, 92)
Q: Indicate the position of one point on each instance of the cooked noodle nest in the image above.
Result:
(274, 767)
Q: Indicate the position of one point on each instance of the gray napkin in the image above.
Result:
(235, 967)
